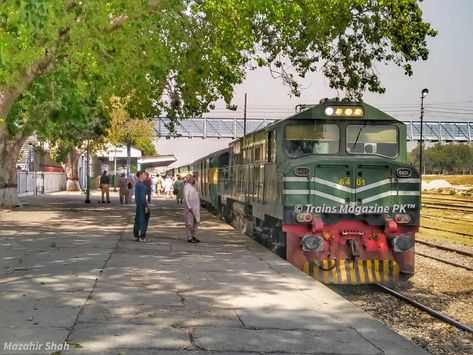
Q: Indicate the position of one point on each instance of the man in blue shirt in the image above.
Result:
(142, 210)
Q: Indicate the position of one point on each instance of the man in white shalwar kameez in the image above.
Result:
(191, 209)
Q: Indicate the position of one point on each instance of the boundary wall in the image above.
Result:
(34, 183)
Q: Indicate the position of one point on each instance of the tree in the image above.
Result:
(178, 57)
(140, 132)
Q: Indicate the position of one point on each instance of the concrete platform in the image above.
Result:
(72, 276)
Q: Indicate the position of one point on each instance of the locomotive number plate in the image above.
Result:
(301, 171)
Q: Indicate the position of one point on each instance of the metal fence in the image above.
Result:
(34, 183)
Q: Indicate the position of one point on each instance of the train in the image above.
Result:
(329, 189)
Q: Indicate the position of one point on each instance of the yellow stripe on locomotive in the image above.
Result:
(352, 272)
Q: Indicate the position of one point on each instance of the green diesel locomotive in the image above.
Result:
(328, 189)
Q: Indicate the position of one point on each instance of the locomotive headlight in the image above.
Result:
(358, 112)
(329, 111)
(312, 243)
(338, 112)
(403, 243)
(348, 112)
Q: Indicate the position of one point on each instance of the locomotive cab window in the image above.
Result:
(373, 140)
(311, 138)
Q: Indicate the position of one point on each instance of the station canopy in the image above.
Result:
(156, 161)
(120, 152)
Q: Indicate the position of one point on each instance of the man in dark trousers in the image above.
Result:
(105, 186)
(142, 210)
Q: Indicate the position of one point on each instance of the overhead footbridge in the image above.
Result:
(215, 127)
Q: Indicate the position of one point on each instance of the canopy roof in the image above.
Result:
(157, 161)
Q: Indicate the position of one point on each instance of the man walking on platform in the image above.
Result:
(191, 209)
(105, 186)
(142, 210)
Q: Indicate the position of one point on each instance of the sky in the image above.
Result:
(448, 74)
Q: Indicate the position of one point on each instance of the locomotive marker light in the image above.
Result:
(402, 218)
(312, 243)
(304, 217)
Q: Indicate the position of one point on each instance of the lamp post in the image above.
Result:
(87, 191)
(424, 93)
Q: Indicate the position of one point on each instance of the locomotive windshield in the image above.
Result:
(310, 138)
(373, 140)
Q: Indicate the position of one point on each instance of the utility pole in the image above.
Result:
(87, 191)
(128, 155)
(115, 172)
(424, 93)
(421, 148)
(244, 115)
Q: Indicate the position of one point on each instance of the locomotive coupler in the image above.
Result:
(354, 248)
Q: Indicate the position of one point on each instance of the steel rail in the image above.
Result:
(444, 261)
(453, 250)
(445, 198)
(448, 201)
(445, 230)
(426, 309)
(440, 206)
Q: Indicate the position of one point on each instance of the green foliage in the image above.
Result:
(66, 58)
(444, 157)
(122, 128)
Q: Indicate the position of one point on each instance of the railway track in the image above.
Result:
(448, 249)
(442, 247)
(447, 206)
(432, 312)
(445, 261)
(444, 197)
(448, 203)
(451, 216)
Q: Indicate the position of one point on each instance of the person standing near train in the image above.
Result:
(191, 209)
(142, 209)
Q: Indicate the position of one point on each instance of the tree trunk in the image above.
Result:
(10, 147)
(72, 171)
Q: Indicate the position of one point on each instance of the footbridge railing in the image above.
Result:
(433, 131)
